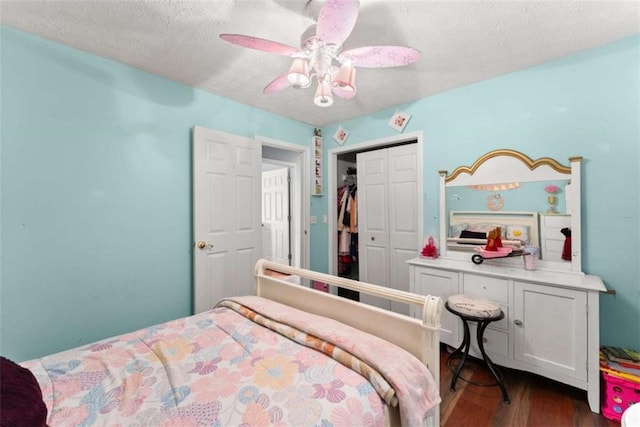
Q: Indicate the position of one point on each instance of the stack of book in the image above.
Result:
(622, 360)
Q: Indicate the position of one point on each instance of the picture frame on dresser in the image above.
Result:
(551, 323)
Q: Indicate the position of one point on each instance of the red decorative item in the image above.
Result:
(498, 240)
(430, 250)
(566, 248)
(494, 241)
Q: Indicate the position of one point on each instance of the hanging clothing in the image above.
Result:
(347, 227)
(353, 210)
(348, 224)
(343, 195)
(344, 244)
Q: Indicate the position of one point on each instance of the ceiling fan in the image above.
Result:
(320, 55)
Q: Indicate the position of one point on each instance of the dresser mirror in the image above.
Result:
(534, 202)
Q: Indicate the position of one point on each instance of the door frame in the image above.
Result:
(300, 192)
(332, 186)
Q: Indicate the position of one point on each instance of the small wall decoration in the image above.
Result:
(341, 135)
(495, 202)
(399, 120)
(317, 163)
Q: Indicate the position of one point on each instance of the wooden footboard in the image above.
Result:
(419, 337)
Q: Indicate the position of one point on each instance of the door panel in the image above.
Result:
(443, 284)
(404, 236)
(388, 223)
(538, 341)
(373, 234)
(226, 170)
(401, 281)
(276, 219)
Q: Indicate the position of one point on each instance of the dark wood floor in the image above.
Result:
(535, 401)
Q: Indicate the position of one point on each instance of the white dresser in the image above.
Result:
(551, 324)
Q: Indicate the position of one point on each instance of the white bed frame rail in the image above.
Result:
(419, 337)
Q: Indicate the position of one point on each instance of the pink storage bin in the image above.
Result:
(617, 395)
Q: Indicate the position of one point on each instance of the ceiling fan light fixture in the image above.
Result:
(346, 78)
(320, 56)
(323, 97)
(299, 73)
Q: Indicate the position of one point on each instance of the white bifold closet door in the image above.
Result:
(388, 222)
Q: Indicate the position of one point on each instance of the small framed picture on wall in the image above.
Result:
(341, 135)
(399, 120)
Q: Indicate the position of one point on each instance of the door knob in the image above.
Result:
(202, 245)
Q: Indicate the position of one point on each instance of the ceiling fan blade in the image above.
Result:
(259, 44)
(336, 20)
(277, 84)
(382, 56)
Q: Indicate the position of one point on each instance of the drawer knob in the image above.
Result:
(518, 322)
(484, 340)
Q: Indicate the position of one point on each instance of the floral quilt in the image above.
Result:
(223, 367)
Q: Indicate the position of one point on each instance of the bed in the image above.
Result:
(468, 229)
(288, 355)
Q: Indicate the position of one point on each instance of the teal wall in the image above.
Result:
(96, 193)
(96, 179)
(587, 105)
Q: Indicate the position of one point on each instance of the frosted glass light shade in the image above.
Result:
(346, 78)
(299, 73)
(323, 97)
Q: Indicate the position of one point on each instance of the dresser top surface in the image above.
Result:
(585, 282)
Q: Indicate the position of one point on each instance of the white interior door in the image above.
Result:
(226, 209)
(373, 222)
(276, 218)
(388, 218)
(404, 232)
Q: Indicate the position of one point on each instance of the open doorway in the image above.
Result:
(294, 160)
(276, 211)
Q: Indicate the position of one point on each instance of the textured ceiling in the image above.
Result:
(461, 42)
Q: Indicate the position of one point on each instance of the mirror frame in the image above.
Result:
(504, 165)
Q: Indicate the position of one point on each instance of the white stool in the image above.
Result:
(631, 416)
(482, 311)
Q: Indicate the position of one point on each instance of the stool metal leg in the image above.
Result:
(480, 333)
(465, 345)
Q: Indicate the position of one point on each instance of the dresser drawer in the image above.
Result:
(490, 288)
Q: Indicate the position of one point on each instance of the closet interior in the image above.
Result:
(347, 220)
